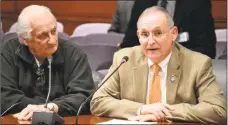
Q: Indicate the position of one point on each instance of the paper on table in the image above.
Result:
(117, 121)
(16, 115)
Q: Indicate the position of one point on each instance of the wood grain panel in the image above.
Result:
(8, 6)
(219, 9)
(8, 14)
(74, 13)
(219, 12)
(72, 8)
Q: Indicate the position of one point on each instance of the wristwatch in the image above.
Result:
(50, 107)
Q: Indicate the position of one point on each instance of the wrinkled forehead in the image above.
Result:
(43, 22)
(152, 21)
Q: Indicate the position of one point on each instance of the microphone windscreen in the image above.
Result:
(125, 59)
(49, 58)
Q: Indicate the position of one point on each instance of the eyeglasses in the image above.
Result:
(157, 34)
(40, 81)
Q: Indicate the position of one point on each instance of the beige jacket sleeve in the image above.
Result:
(211, 105)
(107, 100)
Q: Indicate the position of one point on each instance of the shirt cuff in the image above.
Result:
(139, 111)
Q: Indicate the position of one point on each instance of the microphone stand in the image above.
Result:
(47, 117)
(49, 81)
(124, 60)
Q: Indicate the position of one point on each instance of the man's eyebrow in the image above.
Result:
(156, 28)
(42, 32)
(54, 27)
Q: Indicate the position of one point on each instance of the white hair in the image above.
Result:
(157, 8)
(23, 27)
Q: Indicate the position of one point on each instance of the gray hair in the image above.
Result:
(157, 8)
(23, 26)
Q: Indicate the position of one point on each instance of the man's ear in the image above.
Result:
(23, 41)
(137, 33)
(138, 36)
(174, 33)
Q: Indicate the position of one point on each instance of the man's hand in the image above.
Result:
(159, 110)
(27, 112)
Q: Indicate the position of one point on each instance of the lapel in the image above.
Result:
(173, 76)
(179, 10)
(140, 76)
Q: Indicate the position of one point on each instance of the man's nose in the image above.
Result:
(52, 39)
(151, 39)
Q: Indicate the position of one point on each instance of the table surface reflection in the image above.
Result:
(83, 119)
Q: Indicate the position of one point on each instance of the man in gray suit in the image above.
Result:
(162, 79)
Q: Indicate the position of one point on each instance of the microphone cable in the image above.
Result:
(124, 60)
(9, 108)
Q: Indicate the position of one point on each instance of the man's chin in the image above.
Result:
(154, 58)
(50, 53)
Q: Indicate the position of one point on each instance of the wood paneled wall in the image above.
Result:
(219, 12)
(74, 13)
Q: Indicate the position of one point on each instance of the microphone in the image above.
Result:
(49, 58)
(47, 117)
(124, 60)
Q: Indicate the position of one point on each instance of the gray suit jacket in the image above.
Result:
(195, 94)
(121, 16)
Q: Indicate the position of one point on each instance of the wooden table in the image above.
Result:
(83, 119)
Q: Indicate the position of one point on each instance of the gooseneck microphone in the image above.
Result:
(124, 60)
(49, 58)
(47, 117)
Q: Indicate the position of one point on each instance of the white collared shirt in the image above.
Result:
(37, 62)
(163, 76)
